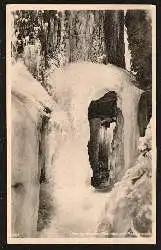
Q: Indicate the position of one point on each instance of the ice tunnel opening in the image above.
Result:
(103, 122)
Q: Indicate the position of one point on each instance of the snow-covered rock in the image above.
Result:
(129, 209)
(29, 90)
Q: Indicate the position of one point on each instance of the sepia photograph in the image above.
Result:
(81, 121)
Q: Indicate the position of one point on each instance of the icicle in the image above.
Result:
(127, 50)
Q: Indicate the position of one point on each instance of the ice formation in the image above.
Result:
(25, 86)
(29, 103)
(77, 206)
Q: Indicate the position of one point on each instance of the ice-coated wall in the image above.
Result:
(28, 103)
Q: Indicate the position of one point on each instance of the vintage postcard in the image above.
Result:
(81, 122)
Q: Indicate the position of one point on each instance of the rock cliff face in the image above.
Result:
(139, 30)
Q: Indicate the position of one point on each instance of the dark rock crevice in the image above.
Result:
(101, 150)
(45, 201)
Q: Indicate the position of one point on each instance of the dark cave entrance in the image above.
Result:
(101, 114)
